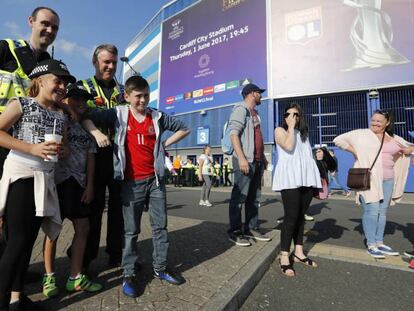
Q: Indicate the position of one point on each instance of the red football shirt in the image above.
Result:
(139, 148)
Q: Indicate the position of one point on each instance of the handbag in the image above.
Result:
(359, 179)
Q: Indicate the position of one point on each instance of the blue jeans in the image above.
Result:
(334, 178)
(135, 195)
(374, 217)
(247, 190)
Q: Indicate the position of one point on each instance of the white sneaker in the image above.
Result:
(387, 250)
(308, 218)
(202, 202)
(207, 203)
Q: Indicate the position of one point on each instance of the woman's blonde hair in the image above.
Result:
(34, 88)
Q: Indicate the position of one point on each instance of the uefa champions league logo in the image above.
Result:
(177, 29)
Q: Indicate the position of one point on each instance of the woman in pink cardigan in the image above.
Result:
(388, 176)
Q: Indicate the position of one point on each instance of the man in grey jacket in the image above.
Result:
(249, 163)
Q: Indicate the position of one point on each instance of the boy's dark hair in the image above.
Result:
(39, 8)
(135, 83)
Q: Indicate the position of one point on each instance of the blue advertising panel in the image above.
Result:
(203, 135)
(210, 51)
(324, 46)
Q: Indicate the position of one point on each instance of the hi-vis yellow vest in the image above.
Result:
(100, 101)
(13, 84)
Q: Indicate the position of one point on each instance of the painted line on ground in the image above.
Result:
(354, 255)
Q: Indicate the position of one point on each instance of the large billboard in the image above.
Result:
(321, 46)
(209, 51)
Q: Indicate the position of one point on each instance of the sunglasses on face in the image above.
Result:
(286, 114)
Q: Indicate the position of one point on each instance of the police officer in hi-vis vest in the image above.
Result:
(18, 58)
(107, 93)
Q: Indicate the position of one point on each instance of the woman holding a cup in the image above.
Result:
(28, 197)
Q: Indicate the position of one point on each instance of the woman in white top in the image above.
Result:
(28, 197)
(205, 175)
(296, 176)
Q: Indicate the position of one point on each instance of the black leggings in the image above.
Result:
(22, 227)
(295, 204)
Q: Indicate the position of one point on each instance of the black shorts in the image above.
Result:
(70, 194)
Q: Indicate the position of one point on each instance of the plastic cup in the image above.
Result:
(55, 138)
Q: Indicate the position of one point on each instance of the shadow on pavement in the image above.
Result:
(189, 248)
(408, 232)
(316, 209)
(176, 206)
(325, 230)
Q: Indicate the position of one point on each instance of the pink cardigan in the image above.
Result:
(366, 145)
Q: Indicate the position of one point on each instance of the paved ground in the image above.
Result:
(334, 285)
(199, 250)
(220, 275)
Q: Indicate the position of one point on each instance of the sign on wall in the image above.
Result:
(203, 135)
(210, 51)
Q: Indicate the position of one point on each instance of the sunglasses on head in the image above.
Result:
(286, 114)
(382, 112)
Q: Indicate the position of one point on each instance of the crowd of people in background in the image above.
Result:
(189, 174)
(67, 143)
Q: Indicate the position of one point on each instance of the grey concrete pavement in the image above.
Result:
(219, 275)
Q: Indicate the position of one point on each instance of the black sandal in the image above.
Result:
(284, 268)
(306, 261)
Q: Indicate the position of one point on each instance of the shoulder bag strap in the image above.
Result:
(382, 142)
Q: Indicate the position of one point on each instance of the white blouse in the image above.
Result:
(296, 168)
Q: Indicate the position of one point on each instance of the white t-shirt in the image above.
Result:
(207, 160)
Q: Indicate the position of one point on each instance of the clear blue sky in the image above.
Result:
(84, 24)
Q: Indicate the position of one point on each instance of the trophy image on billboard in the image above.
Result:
(372, 35)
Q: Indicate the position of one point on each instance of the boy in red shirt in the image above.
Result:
(139, 162)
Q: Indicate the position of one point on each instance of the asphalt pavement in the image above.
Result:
(347, 278)
(337, 220)
(334, 285)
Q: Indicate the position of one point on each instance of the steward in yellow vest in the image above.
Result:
(227, 170)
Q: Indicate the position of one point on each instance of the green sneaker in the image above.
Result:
(49, 286)
(82, 283)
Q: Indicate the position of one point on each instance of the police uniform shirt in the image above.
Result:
(8, 62)
(107, 89)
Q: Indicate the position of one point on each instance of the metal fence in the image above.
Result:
(330, 115)
(401, 102)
